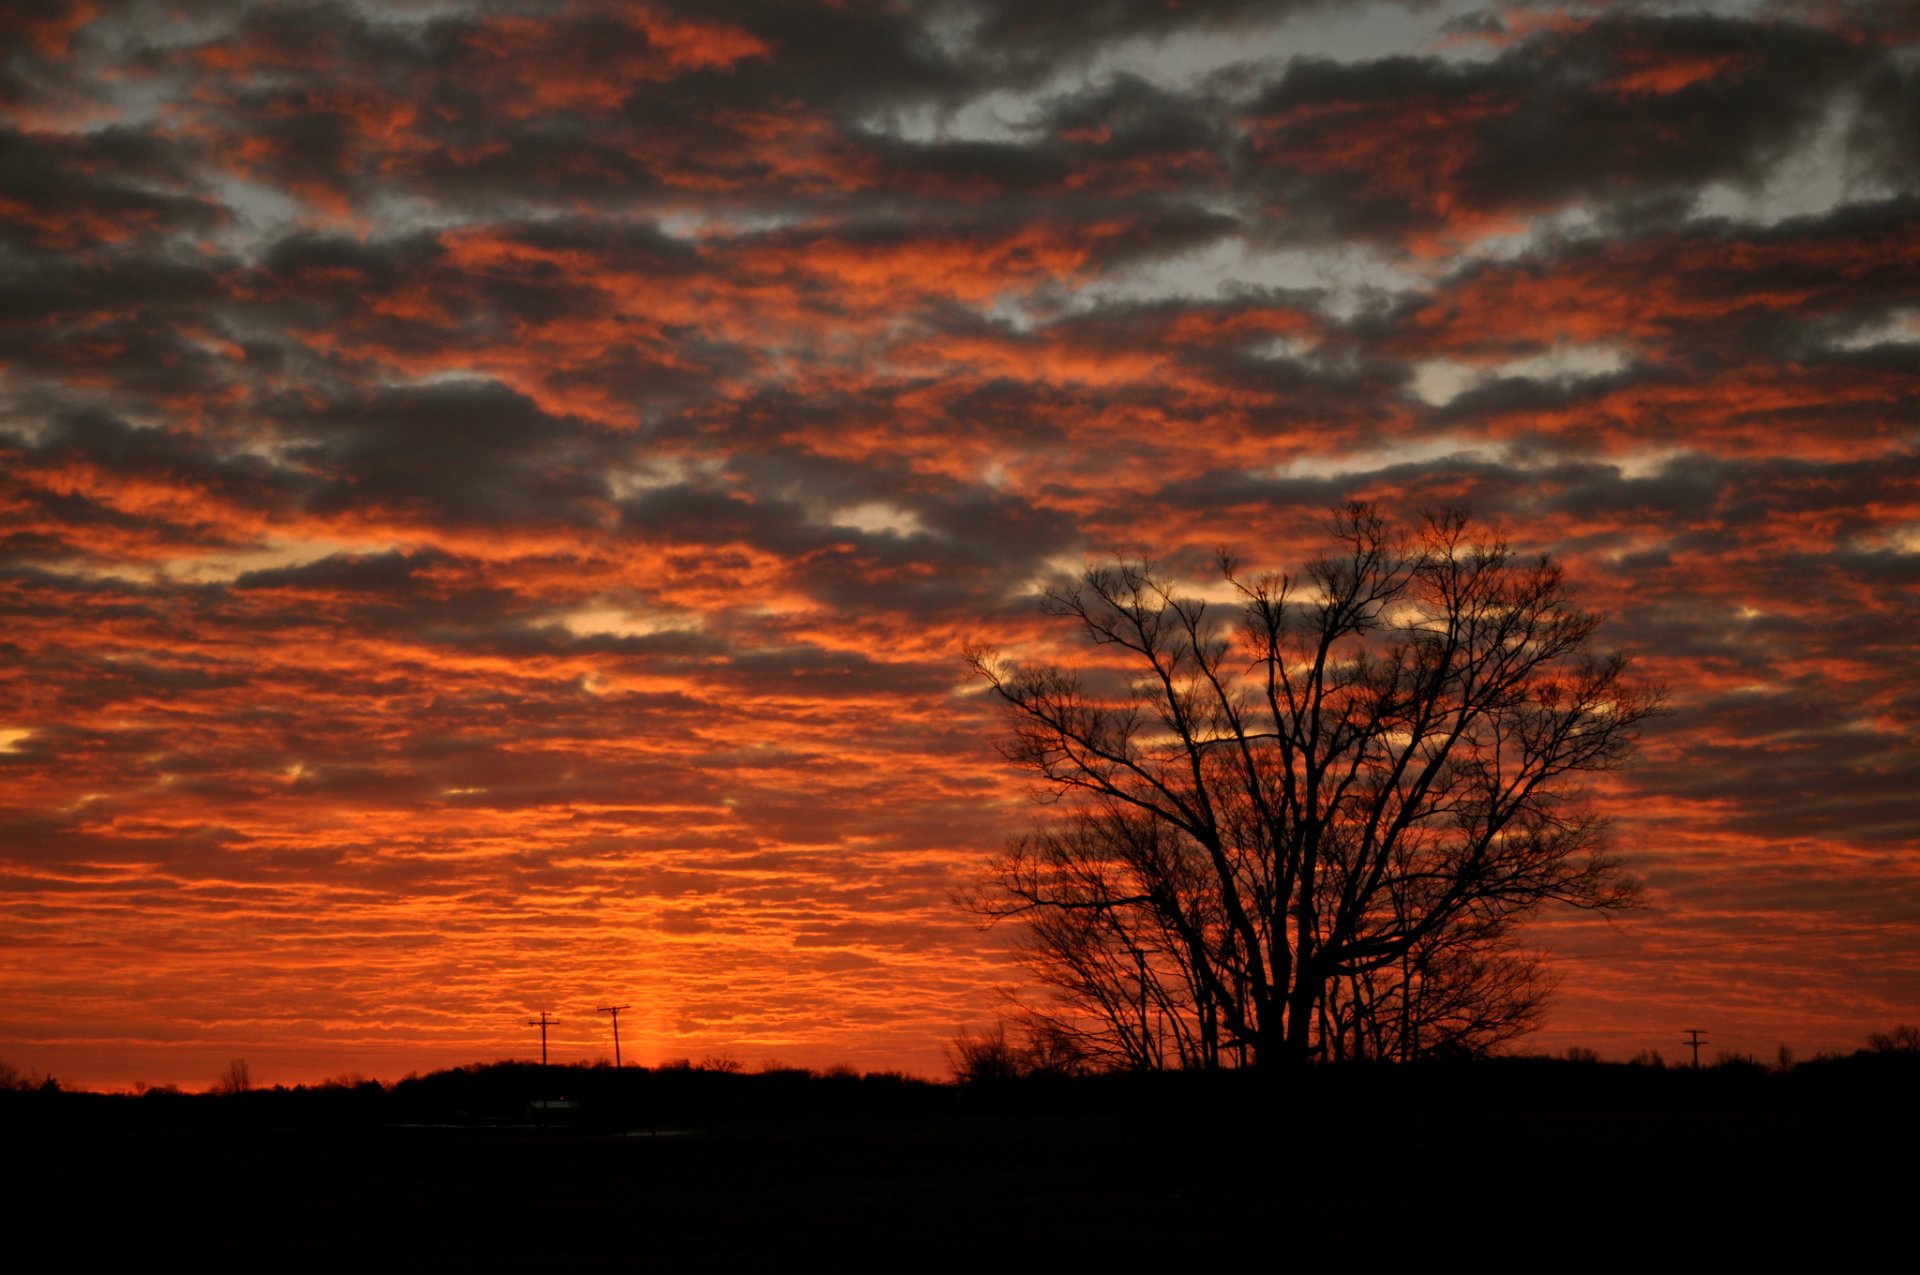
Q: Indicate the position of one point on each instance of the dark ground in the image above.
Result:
(1497, 1167)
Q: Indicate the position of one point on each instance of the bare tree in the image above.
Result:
(236, 1077)
(990, 1056)
(1312, 832)
(1903, 1039)
(1463, 990)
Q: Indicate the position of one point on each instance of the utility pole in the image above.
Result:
(542, 1022)
(1693, 1038)
(615, 1011)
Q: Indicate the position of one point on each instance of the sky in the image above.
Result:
(493, 495)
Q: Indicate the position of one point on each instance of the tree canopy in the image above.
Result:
(1309, 824)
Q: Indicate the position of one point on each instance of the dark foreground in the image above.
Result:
(1494, 1169)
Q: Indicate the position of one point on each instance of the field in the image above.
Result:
(906, 1176)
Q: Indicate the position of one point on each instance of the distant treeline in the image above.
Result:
(684, 1095)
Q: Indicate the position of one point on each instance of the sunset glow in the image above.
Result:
(493, 495)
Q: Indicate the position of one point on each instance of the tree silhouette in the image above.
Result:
(1313, 832)
(235, 1078)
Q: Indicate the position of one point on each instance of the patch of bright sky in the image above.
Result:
(1283, 348)
(1339, 32)
(464, 377)
(11, 737)
(1901, 327)
(607, 617)
(146, 25)
(262, 217)
(400, 213)
(1180, 61)
(1646, 462)
(1051, 573)
(694, 224)
(131, 35)
(1382, 455)
(1809, 180)
(878, 517)
(117, 574)
(1347, 278)
(1576, 221)
(25, 428)
(664, 471)
(219, 566)
(999, 117)
(226, 565)
(1440, 381)
(395, 13)
(1905, 539)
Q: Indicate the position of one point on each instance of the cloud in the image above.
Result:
(1438, 155)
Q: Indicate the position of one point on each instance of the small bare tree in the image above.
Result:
(1044, 1050)
(1313, 832)
(985, 1058)
(236, 1078)
(1903, 1039)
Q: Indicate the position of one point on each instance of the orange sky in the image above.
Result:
(492, 496)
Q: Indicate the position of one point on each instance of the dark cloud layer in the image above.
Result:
(493, 494)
